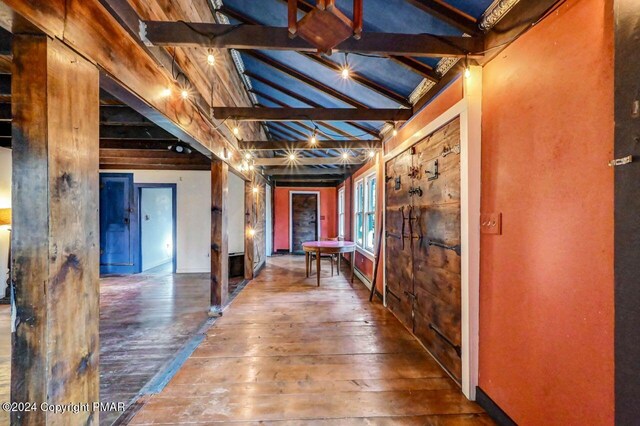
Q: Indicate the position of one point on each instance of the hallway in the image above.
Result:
(287, 351)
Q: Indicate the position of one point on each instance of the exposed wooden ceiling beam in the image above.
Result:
(138, 166)
(134, 132)
(311, 114)
(364, 81)
(356, 77)
(289, 129)
(305, 144)
(284, 161)
(285, 69)
(308, 184)
(448, 14)
(407, 61)
(337, 130)
(221, 36)
(416, 66)
(307, 170)
(304, 99)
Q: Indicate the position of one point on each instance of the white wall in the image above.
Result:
(156, 223)
(193, 236)
(193, 239)
(236, 214)
(5, 201)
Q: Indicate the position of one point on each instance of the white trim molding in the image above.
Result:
(318, 220)
(469, 109)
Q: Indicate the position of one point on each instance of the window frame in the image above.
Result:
(360, 207)
(341, 212)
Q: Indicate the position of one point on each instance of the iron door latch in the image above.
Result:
(621, 161)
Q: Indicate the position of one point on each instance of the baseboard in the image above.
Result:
(193, 271)
(492, 409)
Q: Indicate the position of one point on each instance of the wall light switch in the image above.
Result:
(491, 223)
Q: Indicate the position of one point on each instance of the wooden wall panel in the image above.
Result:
(55, 230)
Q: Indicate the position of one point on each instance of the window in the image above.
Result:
(341, 212)
(370, 213)
(365, 212)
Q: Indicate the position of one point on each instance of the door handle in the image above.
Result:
(126, 220)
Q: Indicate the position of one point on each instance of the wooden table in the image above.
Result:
(327, 247)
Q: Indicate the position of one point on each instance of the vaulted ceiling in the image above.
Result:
(297, 79)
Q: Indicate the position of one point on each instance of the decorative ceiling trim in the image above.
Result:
(495, 13)
(421, 90)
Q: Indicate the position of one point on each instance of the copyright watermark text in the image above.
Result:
(75, 408)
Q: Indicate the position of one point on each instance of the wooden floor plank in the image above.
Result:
(288, 353)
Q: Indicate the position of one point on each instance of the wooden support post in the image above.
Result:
(219, 235)
(249, 229)
(55, 230)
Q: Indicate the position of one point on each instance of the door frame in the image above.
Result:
(121, 269)
(469, 109)
(318, 224)
(137, 189)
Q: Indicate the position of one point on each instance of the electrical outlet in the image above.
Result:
(491, 223)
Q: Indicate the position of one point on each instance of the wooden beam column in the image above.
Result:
(55, 236)
(219, 235)
(249, 229)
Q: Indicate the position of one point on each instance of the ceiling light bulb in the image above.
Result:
(345, 155)
(395, 132)
(372, 154)
(247, 155)
(313, 140)
(211, 60)
(292, 157)
(166, 92)
(251, 167)
(467, 72)
(236, 131)
(345, 73)
(255, 189)
(184, 94)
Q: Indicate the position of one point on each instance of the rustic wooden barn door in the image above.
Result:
(423, 243)
(304, 220)
(436, 253)
(398, 244)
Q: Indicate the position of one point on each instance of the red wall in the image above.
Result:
(546, 308)
(328, 209)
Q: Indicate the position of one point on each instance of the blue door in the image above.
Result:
(116, 211)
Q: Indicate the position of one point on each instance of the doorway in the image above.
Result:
(304, 212)
(157, 230)
(117, 254)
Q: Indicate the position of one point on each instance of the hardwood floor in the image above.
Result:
(287, 352)
(144, 321)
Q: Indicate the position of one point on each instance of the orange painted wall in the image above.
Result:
(546, 308)
(328, 209)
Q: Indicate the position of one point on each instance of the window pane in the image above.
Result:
(341, 225)
(359, 230)
(359, 197)
(371, 194)
(370, 230)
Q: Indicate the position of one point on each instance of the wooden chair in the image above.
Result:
(331, 257)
